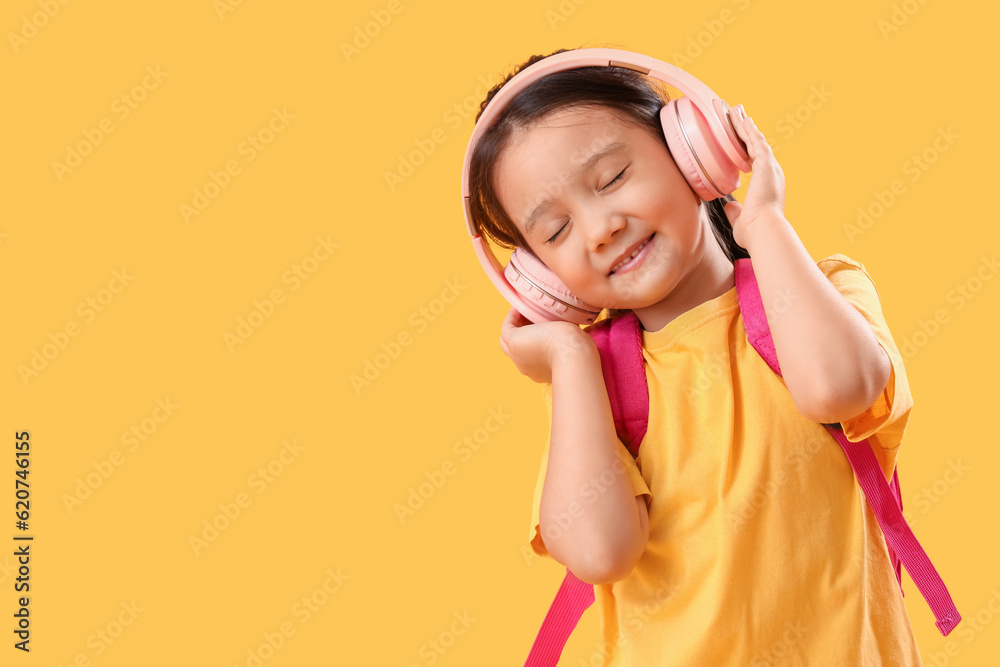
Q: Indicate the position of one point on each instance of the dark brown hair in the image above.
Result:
(636, 98)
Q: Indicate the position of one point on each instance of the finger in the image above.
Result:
(742, 128)
(519, 319)
(752, 137)
(512, 321)
(757, 138)
(738, 117)
(752, 130)
(509, 319)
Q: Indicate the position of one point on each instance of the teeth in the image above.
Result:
(625, 261)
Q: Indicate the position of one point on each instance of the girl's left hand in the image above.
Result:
(766, 193)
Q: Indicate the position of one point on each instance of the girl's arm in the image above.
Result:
(597, 530)
(830, 359)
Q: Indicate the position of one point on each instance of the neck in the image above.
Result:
(710, 277)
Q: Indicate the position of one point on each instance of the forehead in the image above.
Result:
(571, 134)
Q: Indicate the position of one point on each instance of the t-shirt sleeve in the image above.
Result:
(639, 486)
(885, 420)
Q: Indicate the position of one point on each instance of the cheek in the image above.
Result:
(581, 281)
(574, 279)
(656, 200)
(659, 257)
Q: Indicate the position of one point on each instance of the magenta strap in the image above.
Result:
(897, 563)
(885, 501)
(619, 341)
(897, 532)
(564, 613)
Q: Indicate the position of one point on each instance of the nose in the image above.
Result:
(600, 227)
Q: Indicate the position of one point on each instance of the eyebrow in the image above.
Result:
(587, 164)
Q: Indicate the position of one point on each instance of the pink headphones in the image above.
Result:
(699, 134)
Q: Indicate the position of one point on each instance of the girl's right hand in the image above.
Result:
(534, 347)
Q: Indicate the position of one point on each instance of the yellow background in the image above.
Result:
(356, 116)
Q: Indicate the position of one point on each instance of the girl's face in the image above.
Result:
(585, 189)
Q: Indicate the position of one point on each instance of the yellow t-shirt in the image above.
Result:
(762, 547)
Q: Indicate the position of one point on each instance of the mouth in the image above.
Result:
(632, 258)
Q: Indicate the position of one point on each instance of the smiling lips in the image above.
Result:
(625, 260)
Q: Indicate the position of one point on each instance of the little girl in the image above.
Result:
(739, 536)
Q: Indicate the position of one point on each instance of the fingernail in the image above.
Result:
(739, 111)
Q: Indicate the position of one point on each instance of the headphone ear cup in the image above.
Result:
(545, 291)
(696, 150)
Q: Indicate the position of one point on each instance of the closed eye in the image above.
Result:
(616, 178)
(553, 237)
(612, 182)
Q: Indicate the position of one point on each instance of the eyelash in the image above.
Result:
(613, 181)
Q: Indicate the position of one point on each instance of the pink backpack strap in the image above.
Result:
(897, 562)
(885, 501)
(619, 342)
(573, 598)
